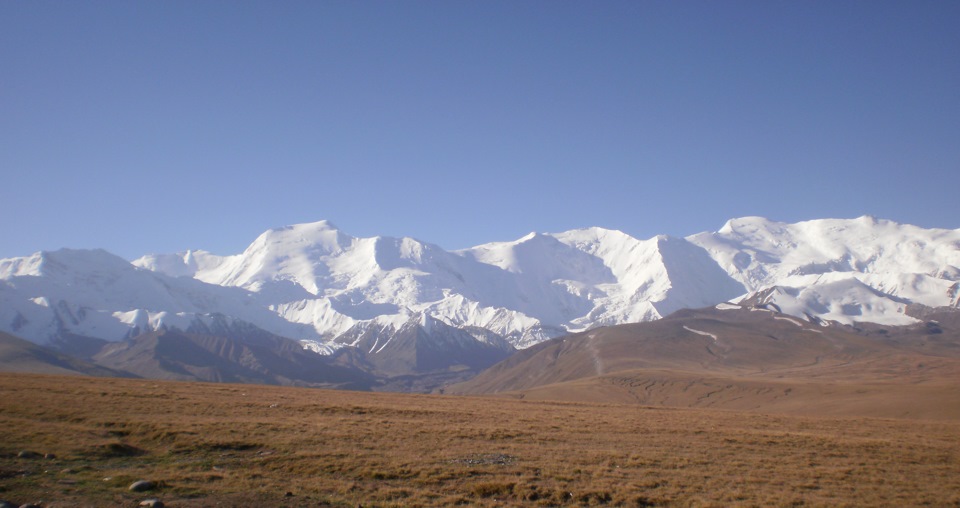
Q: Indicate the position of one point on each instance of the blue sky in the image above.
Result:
(158, 126)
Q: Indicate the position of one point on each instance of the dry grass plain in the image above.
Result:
(245, 445)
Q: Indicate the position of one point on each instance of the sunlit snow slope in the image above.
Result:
(843, 270)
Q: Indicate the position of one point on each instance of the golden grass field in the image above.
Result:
(246, 445)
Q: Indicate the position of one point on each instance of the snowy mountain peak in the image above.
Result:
(60, 262)
(592, 235)
(321, 236)
(294, 253)
(751, 227)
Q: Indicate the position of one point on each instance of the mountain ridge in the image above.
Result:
(314, 283)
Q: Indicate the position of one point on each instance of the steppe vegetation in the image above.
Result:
(245, 445)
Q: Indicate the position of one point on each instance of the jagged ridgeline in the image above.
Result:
(398, 306)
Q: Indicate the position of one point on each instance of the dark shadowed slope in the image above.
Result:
(743, 359)
(420, 355)
(426, 346)
(18, 355)
(184, 356)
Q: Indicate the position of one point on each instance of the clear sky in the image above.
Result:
(160, 126)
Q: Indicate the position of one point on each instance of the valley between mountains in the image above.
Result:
(858, 315)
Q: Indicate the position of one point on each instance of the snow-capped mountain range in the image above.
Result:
(314, 283)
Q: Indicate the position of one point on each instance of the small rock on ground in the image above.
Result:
(7, 504)
(142, 486)
(27, 454)
(152, 503)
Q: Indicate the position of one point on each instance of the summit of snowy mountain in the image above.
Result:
(314, 283)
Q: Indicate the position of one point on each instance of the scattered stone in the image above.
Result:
(142, 486)
(288, 494)
(27, 454)
(30, 505)
(49, 456)
(67, 471)
(7, 504)
(152, 503)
